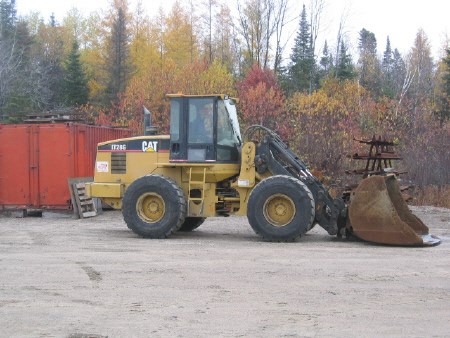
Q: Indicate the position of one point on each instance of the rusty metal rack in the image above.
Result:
(56, 117)
(378, 159)
(378, 162)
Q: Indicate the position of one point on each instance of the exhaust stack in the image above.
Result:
(149, 129)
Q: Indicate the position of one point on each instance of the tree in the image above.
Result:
(49, 51)
(144, 41)
(259, 20)
(24, 91)
(75, 83)
(149, 89)
(252, 20)
(340, 37)
(442, 111)
(369, 68)
(202, 77)
(9, 62)
(179, 41)
(421, 68)
(421, 63)
(118, 62)
(398, 71)
(77, 28)
(208, 19)
(279, 23)
(344, 68)
(387, 66)
(394, 77)
(302, 57)
(326, 63)
(93, 43)
(225, 41)
(262, 100)
(7, 19)
(317, 7)
(8, 67)
(333, 110)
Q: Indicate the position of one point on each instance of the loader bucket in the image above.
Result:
(377, 213)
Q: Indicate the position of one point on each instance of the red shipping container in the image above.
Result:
(36, 161)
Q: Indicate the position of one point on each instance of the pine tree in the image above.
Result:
(369, 68)
(303, 63)
(118, 64)
(345, 69)
(326, 63)
(398, 71)
(52, 20)
(387, 70)
(75, 83)
(7, 19)
(388, 60)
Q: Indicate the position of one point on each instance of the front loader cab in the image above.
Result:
(203, 129)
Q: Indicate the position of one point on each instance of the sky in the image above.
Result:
(400, 19)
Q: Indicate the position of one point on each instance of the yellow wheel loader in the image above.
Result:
(206, 168)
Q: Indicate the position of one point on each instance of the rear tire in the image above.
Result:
(281, 208)
(191, 223)
(154, 206)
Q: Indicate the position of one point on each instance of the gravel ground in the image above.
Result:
(62, 277)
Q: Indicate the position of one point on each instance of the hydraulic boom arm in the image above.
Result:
(274, 155)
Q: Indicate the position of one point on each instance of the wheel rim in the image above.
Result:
(279, 210)
(151, 207)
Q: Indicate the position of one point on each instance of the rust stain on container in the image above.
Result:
(37, 159)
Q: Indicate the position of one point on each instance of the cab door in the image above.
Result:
(201, 129)
(193, 129)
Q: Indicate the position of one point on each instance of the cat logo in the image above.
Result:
(149, 146)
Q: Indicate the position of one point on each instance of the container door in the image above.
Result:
(56, 164)
(16, 168)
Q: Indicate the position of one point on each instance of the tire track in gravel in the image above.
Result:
(93, 274)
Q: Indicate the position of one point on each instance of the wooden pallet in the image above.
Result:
(83, 205)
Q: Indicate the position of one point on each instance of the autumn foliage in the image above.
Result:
(262, 101)
(149, 90)
(326, 122)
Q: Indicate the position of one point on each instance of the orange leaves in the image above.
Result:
(149, 90)
(262, 101)
(260, 105)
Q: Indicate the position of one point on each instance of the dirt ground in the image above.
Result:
(62, 277)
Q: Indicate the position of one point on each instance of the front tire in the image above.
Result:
(191, 223)
(281, 208)
(154, 206)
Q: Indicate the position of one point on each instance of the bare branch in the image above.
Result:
(411, 73)
(317, 7)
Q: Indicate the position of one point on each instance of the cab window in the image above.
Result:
(175, 109)
(201, 121)
(227, 142)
